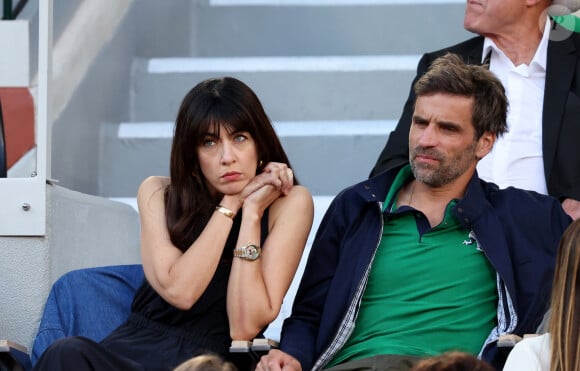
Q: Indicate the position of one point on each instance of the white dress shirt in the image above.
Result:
(517, 157)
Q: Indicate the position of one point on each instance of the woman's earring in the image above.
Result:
(260, 163)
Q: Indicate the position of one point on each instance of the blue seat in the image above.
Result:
(88, 302)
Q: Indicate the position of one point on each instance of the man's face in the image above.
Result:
(442, 144)
(493, 16)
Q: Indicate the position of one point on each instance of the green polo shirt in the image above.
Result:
(430, 290)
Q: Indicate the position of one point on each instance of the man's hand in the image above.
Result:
(276, 360)
(572, 208)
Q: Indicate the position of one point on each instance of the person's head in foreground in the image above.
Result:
(206, 362)
(453, 361)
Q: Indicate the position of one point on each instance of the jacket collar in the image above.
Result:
(474, 56)
(375, 189)
(474, 203)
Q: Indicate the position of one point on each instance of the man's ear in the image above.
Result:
(484, 144)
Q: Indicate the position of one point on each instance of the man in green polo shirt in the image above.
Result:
(426, 258)
(456, 310)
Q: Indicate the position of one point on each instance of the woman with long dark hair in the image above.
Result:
(221, 239)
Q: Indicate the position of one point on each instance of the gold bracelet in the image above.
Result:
(224, 210)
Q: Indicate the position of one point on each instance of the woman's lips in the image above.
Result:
(231, 176)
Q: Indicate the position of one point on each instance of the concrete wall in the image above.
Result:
(93, 56)
(91, 69)
(82, 231)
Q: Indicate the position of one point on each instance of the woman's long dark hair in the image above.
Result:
(211, 103)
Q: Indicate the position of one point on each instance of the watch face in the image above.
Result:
(252, 252)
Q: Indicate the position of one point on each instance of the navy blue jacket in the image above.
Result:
(518, 230)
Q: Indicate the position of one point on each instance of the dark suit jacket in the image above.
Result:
(561, 114)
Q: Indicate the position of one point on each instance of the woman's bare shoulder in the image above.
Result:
(299, 198)
(153, 183)
(152, 188)
(300, 192)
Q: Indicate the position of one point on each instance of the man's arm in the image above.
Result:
(396, 150)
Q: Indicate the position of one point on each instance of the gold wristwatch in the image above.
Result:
(248, 252)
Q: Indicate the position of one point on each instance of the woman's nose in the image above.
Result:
(228, 154)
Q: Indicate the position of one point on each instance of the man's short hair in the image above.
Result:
(450, 75)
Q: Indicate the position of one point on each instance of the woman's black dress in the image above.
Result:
(157, 336)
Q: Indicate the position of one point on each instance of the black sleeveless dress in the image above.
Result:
(158, 336)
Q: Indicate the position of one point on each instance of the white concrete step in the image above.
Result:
(327, 156)
(324, 27)
(291, 88)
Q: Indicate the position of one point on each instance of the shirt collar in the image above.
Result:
(404, 175)
(540, 57)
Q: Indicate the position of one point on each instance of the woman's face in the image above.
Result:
(228, 160)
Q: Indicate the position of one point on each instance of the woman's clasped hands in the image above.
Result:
(274, 181)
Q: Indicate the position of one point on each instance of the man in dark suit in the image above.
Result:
(539, 64)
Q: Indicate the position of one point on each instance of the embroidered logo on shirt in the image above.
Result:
(471, 240)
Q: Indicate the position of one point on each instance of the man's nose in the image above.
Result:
(428, 136)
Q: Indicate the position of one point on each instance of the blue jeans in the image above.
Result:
(87, 302)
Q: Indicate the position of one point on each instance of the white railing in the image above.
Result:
(23, 200)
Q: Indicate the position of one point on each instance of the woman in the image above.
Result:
(221, 239)
(559, 349)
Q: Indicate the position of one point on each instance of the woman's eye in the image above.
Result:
(208, 142)
(240, 138)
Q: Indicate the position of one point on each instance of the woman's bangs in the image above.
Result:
(232, 119)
